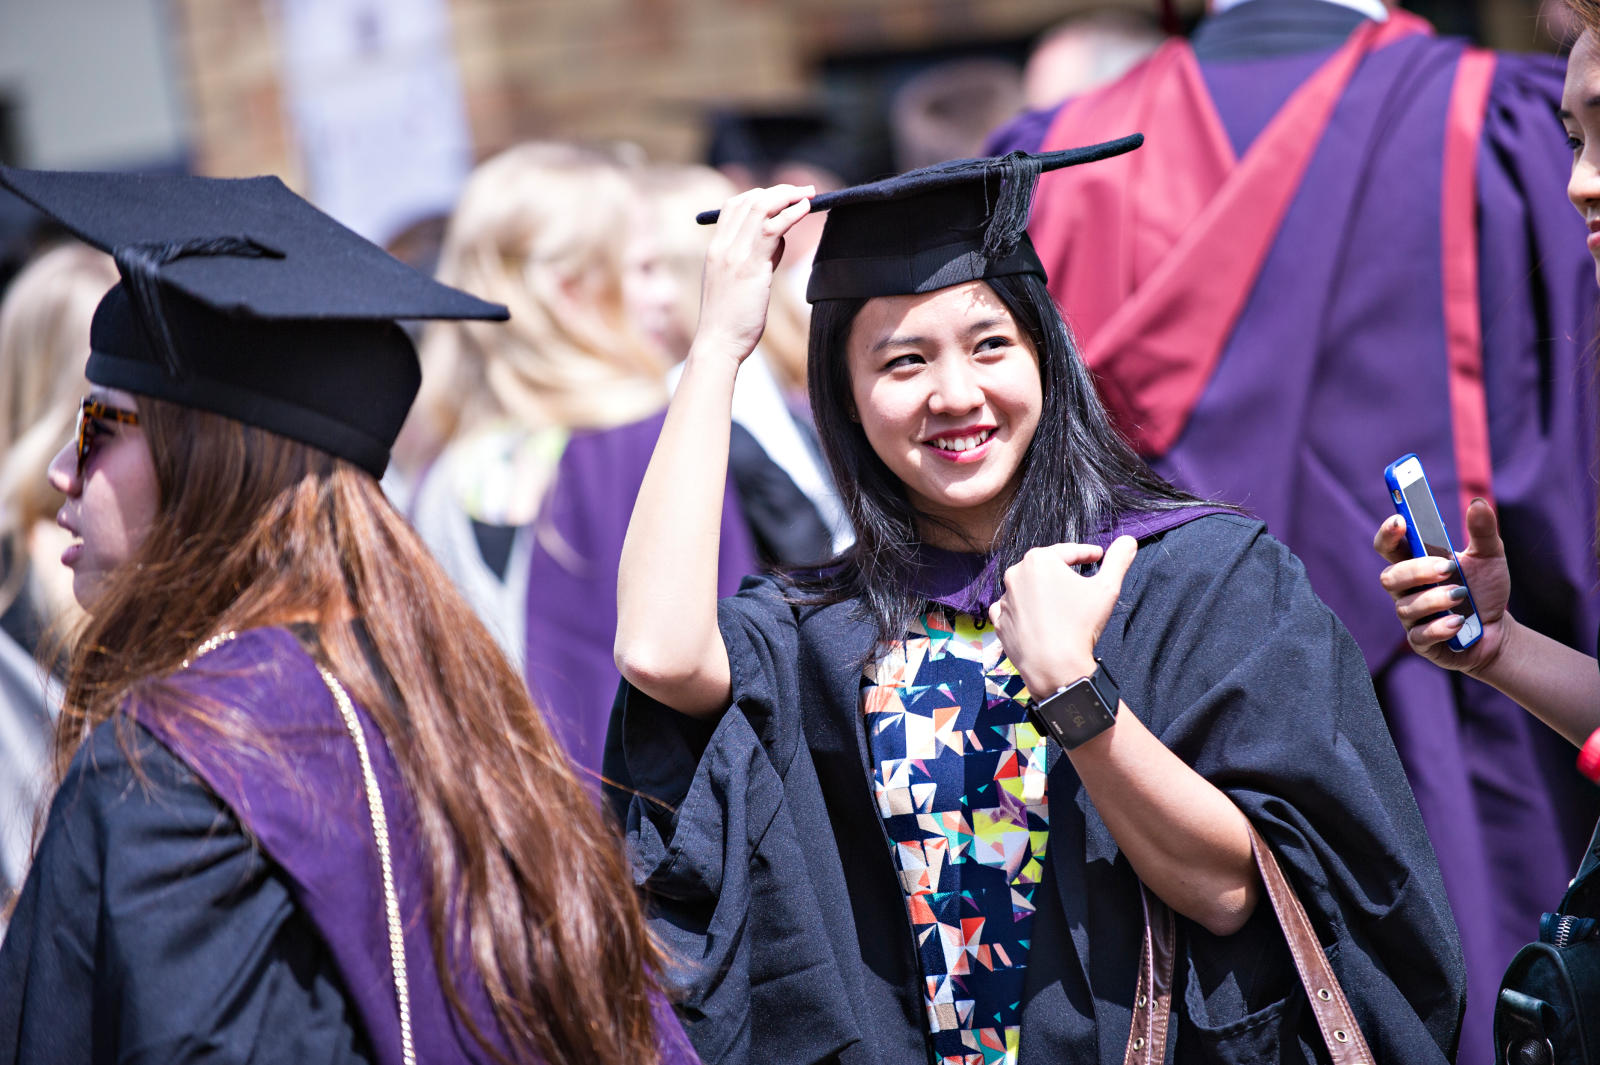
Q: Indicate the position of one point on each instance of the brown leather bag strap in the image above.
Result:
(1152, 1003)
(1346, 1045)
(1152, 999)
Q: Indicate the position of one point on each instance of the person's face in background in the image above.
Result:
(1580, 115)
(650, 293)
(111, 505)
(947, 390)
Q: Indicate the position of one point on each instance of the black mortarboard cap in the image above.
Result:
(240, 298)
(942, 225)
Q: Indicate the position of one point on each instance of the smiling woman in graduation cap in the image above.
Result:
(306, 810)
(899, 810)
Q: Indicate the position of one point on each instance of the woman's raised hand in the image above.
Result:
(1424, 590)
(1050, 616)
(740, 264)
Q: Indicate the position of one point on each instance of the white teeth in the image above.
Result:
(962, 443)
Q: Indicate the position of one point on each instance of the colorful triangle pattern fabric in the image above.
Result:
(959, 778)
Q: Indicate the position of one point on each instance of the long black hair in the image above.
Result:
(1078, 475)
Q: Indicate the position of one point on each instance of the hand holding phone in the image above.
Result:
(1425, 532)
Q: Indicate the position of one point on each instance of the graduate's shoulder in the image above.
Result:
(799, 596)
(1220, 554)
(1532, 78)
(120, 773)
(1211, 531)
(262, 672)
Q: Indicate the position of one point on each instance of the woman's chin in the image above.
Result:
(87, 587)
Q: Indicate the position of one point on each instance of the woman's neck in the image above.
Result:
(935, 533)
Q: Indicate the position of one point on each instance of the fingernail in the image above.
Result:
(1478, 499)
(1455, 621)
(1457, 594)
(1444, 567)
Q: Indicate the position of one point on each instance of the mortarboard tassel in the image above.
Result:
(140, 265)
(1008, 218)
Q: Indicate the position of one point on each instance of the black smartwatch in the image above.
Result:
(1082, 710)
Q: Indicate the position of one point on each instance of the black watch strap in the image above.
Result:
(1082, 710)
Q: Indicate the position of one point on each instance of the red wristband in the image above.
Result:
(1589, 757)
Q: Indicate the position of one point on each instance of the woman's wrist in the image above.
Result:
(1051, 677)
(719, 354)
(1492, 669)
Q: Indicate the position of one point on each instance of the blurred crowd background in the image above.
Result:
(378, 109)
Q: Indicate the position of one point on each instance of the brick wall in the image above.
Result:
(230, 66)
(638, 70)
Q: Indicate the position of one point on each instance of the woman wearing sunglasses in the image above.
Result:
(306, 810)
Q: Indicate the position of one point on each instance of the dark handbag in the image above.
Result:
(1549, 1005)
(1152, 1002)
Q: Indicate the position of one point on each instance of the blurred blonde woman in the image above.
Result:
(542, 426)
(540, 228)
(44, 337)
(786, 494)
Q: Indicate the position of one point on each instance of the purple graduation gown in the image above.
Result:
(572, 579)
(1337, 365)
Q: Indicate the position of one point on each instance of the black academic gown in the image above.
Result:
(775, 888)
(153, 931)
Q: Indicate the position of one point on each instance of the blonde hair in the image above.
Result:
(44, 341)
(673, 193)
(540, 228)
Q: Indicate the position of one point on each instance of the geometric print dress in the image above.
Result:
(958, 772)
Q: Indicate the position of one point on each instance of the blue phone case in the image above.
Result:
(1472, 629)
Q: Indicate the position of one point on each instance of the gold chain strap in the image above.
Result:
(206, 648)
(380, 831)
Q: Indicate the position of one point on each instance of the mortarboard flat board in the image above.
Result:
(942, 225)
(241, 298)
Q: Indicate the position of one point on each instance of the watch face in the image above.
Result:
(1076, 714)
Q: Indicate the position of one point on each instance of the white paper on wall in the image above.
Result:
(375, 100)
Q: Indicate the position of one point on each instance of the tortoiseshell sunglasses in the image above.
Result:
(91, 413)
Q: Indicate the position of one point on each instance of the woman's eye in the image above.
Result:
(901, 361)
(994, 343)
(1573, 143)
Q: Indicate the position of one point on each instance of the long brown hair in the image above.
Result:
(1588, 12)
(253, 529)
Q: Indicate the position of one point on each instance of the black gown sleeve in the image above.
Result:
(706, 806)
(152, 929)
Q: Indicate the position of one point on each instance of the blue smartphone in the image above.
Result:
(1413, 500)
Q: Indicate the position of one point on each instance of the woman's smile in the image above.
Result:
(968, 445)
